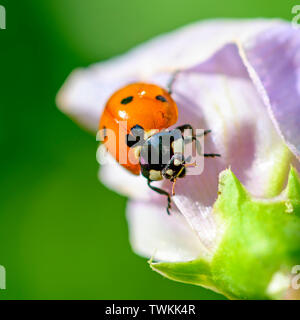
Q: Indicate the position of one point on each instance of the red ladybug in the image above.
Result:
(149, 111)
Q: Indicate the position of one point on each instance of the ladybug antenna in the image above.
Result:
(173, 187)
(190, 164)
(175, 179)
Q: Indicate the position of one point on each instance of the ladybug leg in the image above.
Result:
(189, 139)
(185, 127)
(161, 191)
(194, 138)
(189, 127)
(172, 80)
(204, 133)
(212, 155)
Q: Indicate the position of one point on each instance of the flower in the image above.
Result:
(241, 79)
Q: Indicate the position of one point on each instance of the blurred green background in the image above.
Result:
(63, 234)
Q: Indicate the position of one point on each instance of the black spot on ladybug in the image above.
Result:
(161, 98)
(127, 100)
(136, 137)
(137, 129)
(132, 140)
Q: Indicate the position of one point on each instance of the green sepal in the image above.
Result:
(260, 239)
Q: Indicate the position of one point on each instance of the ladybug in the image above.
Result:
(139, 115)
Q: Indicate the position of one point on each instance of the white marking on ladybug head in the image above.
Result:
(155, 175)
(177, 162)
(169, 172)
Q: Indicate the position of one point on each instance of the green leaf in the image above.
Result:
(260, 243)
(195, 272)
(293, 192)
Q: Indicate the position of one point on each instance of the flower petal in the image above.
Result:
(273, 61)
(85, 93)
(155, 234)
(121, 180)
